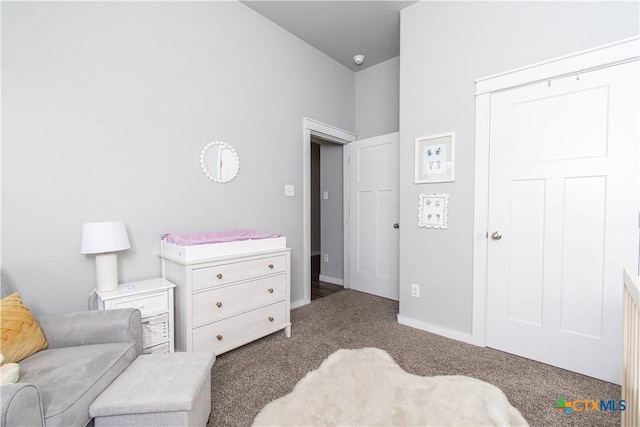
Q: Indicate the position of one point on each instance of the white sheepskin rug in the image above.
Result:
(365, 387)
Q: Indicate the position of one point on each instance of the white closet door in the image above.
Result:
(563, 218)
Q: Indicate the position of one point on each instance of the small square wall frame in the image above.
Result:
(435, 158)
(433, 211)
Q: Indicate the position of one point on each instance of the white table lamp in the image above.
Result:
(103, 239)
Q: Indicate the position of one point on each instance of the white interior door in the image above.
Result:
(373, 213)
(563, 218)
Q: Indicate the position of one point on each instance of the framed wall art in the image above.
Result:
(435, 158)
(433, 211)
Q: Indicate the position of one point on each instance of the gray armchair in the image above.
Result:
(87, 351)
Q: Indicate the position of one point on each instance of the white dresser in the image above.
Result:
(227, 301)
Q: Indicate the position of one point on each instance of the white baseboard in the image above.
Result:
(438, 330)
(299, 303)
(332, 280)
(314, 253)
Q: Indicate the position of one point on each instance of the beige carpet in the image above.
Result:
(246, 379)
(365, 387)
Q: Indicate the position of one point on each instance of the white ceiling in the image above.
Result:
(341, 29)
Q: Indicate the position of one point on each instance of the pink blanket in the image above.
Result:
(190, 239)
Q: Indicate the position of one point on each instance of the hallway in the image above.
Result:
(320, 289)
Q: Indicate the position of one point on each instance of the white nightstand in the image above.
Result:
(154, 299)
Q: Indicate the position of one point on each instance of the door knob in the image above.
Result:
(396, 225)
(496, 235)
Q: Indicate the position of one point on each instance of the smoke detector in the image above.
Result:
(358, 59)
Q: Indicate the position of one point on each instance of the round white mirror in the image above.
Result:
(219, 162)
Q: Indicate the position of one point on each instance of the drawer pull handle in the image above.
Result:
(270, 290)
(218, 304)
(270, 318)
(271, 266)
(219, 276)
(219, 337)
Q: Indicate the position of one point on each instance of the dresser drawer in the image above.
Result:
(148, 304)
(207, 277)
(221, 302)
(238, 330)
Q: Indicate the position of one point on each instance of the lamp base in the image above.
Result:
(106, 272)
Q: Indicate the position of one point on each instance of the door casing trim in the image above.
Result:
(339, 136)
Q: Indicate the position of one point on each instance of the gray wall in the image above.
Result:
(331, 211)
(105, 109)
(445, 46)
(377, 99)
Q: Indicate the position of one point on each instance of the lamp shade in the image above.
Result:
(103, 237)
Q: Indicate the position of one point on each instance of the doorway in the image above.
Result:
(341, 137)
(369, 221)
(327, 211)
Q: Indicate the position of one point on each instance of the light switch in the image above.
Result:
(325, 195)
(289, 190)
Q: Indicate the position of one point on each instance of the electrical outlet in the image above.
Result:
(326, 257)
(415, 290)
